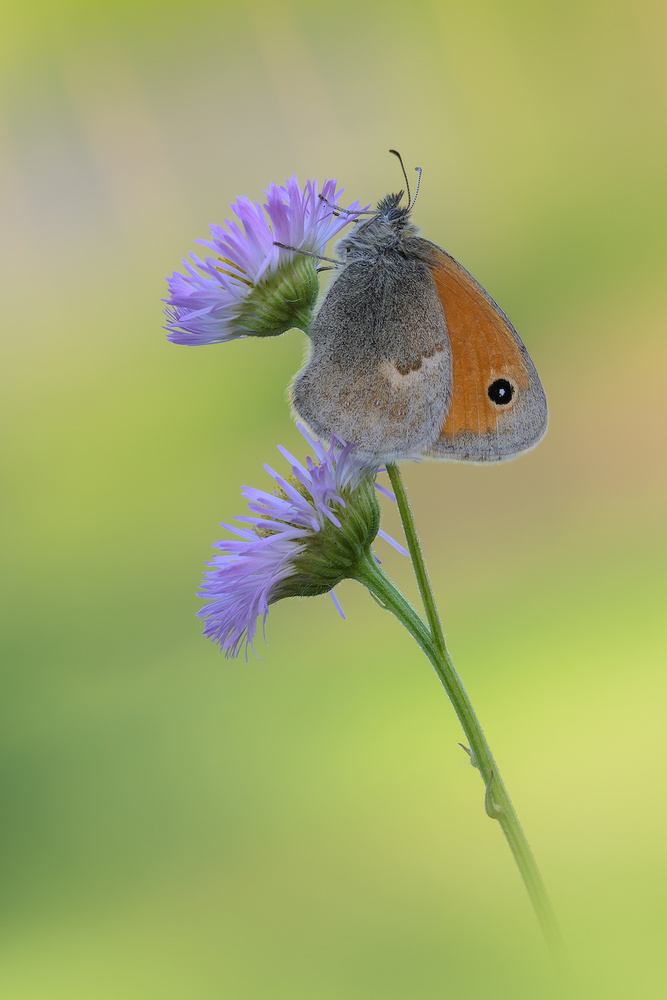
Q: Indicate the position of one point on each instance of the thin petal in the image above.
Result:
(336, 602)
(393, 542)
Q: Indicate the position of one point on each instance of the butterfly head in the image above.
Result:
(383, 232)
(387, 227)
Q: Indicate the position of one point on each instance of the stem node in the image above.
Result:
(493, 810)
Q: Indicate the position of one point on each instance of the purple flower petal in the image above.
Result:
(336, 603)
(392, 541)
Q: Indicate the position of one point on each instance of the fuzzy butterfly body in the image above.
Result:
(409, 356)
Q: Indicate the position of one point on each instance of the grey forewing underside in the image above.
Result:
(379, 371)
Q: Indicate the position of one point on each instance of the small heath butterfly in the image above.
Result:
(409, 356)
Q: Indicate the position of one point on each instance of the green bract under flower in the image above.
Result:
(333, 553)
(283, 300)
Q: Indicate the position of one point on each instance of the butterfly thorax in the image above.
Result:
(382, 233)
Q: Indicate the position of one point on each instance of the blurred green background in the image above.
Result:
(305, 827)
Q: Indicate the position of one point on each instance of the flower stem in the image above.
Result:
(432, 641)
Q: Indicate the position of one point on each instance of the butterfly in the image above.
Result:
(409, 356)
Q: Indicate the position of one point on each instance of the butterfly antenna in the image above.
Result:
(419, 180)
(337, 210)
(306, 253)
(407, 182)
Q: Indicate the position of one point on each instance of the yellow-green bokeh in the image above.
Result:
(305, 827)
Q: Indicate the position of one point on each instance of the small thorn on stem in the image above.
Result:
(473, 760)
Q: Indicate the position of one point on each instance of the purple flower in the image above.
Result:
(300, 540)
(252, 287)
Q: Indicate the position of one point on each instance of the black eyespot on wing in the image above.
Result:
(501, 392)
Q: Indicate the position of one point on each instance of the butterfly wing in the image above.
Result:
(379, 368)
(498, 408)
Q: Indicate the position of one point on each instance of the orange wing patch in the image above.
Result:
(484, 348)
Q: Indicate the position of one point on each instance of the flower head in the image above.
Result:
(251, 287)
(300, 540)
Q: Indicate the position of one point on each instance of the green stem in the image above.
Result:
(432, 641)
